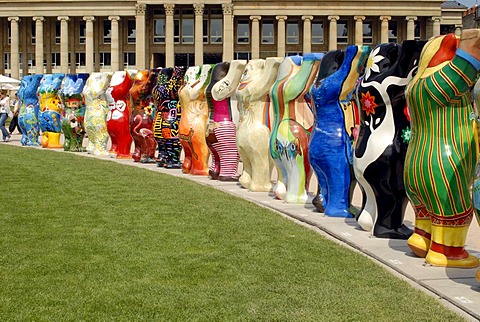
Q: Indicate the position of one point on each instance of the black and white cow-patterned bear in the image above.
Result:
(383, 137)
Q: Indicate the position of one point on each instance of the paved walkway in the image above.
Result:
(457, 288)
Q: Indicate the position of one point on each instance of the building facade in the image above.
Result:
(103, 35)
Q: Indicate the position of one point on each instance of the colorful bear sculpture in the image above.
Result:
(383, 137)
(253, 132)
(331, 150)
(119, 112)
(51, 110)
(141, 127)
(96, 109)
(29, 109)
(74, 112)
(193, 123)
(443, 149)
(222, 131)
(293, 122)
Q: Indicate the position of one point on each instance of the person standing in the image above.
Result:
(4, 114)
(14, 122)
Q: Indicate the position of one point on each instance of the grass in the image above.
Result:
(87, 239)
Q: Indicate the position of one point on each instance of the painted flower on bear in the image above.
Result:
(372, 63)
(368, 103)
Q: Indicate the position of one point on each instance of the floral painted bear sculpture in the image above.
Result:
(141, 127)
(443, 149)
(383, 137)
(51, 110)
(193, 123)
(222, 129)
(29, 110)
(74, 112)
(253, 132)
(96, 109)
(119, 112)
(290, 138)
(330, 150)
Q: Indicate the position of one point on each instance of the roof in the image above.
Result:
(453, 5)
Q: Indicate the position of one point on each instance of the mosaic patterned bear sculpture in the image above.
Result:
(74, 112)
(443, 149)
(119, 112)
(253, 132)
(141, 127)
(383, 137)
(330, 150)
(29, 109)
(51, 110)
(161, 97)
(167, 119)
(222, 139)
(293, 122)
(96, 109)
(193, 123)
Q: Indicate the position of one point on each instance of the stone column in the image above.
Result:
(384, 29)
(198, 7)
(228, 52)
(14, 47)
(359, 29)
(140, 41)
(436, 26)
(255, 36)
(307, 34)
(115, 44)
(169, 48)
(411, 27)
(38, 44)
(281, 35)
(332, 35)
(89, 43)
(64, 44)
(458, 30)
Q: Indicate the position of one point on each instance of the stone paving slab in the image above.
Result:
(455, 287)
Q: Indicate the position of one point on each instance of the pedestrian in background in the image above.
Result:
(5, 112)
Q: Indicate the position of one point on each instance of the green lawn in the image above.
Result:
(87, 239)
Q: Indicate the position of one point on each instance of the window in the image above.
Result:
(6, 60)
(342, 32)
(240, 55)
(9, 31)
(55, 59)
(34, 32)
(107, 31)
(292, 32)
(187, 31)
(417, 29)
(216, 30)
(80, 59)
(367, 32)
(176, 31)
(243, 32)
(268, 36)
(30, 60)
(159, 31)
(105, 59)
(128, 59)
(317, 33)
(131, 31)
(392, 31)
(82, 32)
(205, 31)
(57, 32)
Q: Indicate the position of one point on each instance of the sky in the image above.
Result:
(469, 3)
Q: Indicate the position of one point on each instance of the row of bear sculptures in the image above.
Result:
(398, 120)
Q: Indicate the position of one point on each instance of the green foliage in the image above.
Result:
(88, 239)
